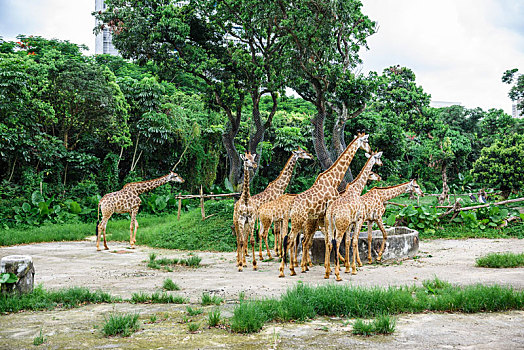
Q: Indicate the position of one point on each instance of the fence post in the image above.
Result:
(179, 205)
(202, 203)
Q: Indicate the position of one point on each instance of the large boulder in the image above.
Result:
(22, 267)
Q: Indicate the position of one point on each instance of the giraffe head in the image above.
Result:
(300, 153)
(413, 187)
(175, 177)
(376, 157)
(362, 142)
(249, 160)
(374, 177)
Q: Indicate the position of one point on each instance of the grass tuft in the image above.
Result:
(193, 327)
(39, 339)
(157, 298)
(501, 260)
(170, 285)
(213, 318)
(193, 312)
(211, 300)
(121, 324)
(383, 324)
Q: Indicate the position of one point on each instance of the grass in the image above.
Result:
(163, 263)
(211, 300)
(304, 302)
(383, 324)
(192, 327)
(121, 324)
(460, 232)
(193, 312)
(170, 285)
(213, 318)
(162, 231)
(157, 298)
(501, 260)
(39, 339)
(41, 299)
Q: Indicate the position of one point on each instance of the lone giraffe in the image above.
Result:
(374, 207)
(244, 215)
(127, 200)
(310, 206)
(345, 212)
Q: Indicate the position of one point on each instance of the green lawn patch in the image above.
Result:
(501, 260)
(304, 302)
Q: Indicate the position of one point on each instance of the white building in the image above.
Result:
(103, 40)
(441, 104)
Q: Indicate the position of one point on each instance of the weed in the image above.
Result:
(152, 318)
(211, 300)
(213, 318)
(193, 312)
(193, 327)
(363, 328)
(123, 325)
(501, 260)
(242, 296)
(170, 285)
(383, 324)
(39, 339)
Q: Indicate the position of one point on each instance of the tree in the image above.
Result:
(323, 39)
(516, 93)
(230, 45)
(500, 164)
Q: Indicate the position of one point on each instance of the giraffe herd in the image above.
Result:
(319, 207)
(322, 206)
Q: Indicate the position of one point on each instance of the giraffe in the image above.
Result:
(343, 213)
(275, 189)
(273, 212)
(309, 206)
(374, 207)
(244, 214)
(127, 200)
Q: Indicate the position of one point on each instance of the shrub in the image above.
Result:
(123, 325)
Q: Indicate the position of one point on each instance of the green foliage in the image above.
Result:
(208, 299)
(302, 302)
(516, 92)
(121, 324)
(213, 318)
(157, 298)
(383, 324)
(501, 260)
(500, 166)
(8, 278)
(39, 339)
(192, 327)
(41, 299)
(193, 312)
(422, 218)
(170, 285)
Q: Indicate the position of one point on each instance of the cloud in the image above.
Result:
(59, 19)
(458, 49)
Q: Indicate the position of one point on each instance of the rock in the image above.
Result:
(402, 243)
(22, 267)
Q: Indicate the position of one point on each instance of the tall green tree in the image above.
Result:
(323, 40)
(516, 93)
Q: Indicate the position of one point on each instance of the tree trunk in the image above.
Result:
(445, 189)
(235, 163)
(319, 141)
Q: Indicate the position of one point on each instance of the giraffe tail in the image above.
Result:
(97, 218)
(284, 248)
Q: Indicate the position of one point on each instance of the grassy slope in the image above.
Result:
(163, 231)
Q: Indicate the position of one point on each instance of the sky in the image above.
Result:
(458, 49)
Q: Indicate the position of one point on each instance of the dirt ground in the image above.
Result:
(122, 272)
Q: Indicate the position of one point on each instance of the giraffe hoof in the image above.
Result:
(98, 249)
(292, 273)
(326, 276)
(338, 279)
(360, 264)
(281, 275)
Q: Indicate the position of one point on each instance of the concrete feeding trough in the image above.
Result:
(402, 243)
(22, 267)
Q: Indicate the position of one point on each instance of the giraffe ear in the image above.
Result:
(378, 155)
(368, 155)
(243, 157)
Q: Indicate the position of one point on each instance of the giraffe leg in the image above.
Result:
(276, 232)
(358, 227)
(267, 246)
(311, 225)
(384, 236)
(328, 247)
(370, 234)
(131, 228)
(347, 235)
(287, 247)
(337, 254)
(102, 231)
(240, 245)
(134, 231)
(251, 227)
(261, 233)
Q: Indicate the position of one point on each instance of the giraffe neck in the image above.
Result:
(392, 192)
(245, 187)
(335, 174)
(278, 186)
(144, 186)
(360, 181)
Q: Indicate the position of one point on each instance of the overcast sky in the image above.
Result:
(458, 49)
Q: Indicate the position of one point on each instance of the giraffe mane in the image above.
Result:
(141, 182)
